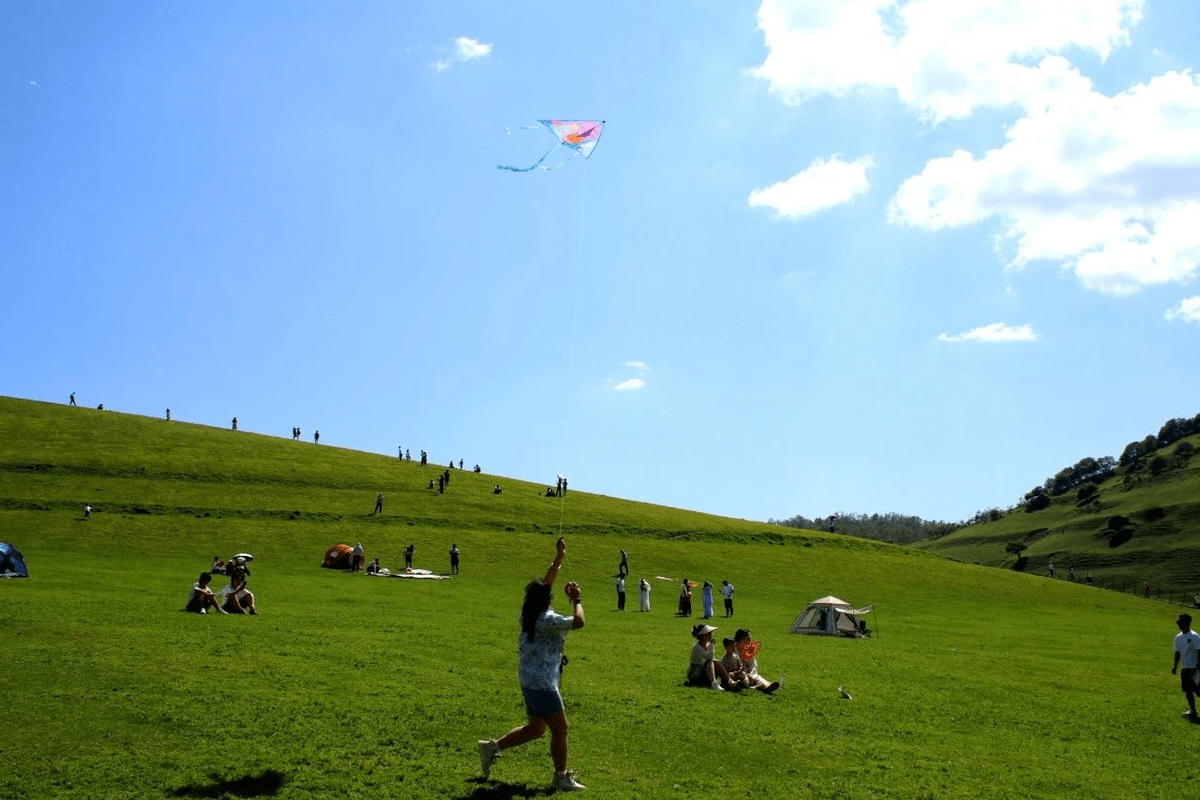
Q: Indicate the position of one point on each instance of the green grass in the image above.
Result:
(981, 682)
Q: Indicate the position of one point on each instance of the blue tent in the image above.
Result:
(12, 563)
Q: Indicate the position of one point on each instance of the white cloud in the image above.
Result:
(634, 384)
(996, 332)
(943, 58)
(35, 84)
(825, 184)
(1188, 310)
(465, 49)
(469, 49)
(1108, 186)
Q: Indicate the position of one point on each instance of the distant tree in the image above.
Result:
(1184, 450)
(1157, 465)
(1131, 454)
(1016, 548)
(1037, 503)
(1087, 492)
(1175, 429)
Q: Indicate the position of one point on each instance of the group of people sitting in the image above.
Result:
(734, 671)
(235, 598)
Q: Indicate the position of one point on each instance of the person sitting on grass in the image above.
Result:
(238, 599)
(703, 669)
(218, 566)
(748, 652)
(373, 567)
(202, 597)
(733, 665)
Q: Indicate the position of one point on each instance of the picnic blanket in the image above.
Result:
(412, 573)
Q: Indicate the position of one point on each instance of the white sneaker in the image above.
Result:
(204, 611)
(566, 782)
(489, 751)
(717, 685)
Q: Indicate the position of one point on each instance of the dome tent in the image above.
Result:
(12, 563)
(829, 616)
(338, 557)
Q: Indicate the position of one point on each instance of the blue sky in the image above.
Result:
(865, 256)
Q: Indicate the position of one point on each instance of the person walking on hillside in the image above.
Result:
(727, 591)
(623, 567)
(543, 633)
(1186, 645)
(235, 423)
(621, 593)
(685, 599)
(72, 398)
(408, 555)
(378, 504)
(453, 559)
(644, 593)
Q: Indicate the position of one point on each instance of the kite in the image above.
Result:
(577, 135)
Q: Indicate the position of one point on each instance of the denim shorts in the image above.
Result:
(542, 702)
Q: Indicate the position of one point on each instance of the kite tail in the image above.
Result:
(535, 166)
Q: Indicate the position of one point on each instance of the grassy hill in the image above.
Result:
(1156, 542)
(979, 682)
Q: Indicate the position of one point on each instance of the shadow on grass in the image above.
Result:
(265, 783)
(492, 790)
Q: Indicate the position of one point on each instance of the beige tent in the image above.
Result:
(829, 616)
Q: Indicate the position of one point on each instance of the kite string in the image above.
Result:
(569, 416)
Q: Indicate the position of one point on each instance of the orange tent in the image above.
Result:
(338, 557)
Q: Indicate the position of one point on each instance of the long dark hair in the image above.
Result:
(537, 600)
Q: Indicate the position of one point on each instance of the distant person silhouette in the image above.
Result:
(235, 423)
(316, 437)
(72, 398)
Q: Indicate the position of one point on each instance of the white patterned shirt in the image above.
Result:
(541, 658)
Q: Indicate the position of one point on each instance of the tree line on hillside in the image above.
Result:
(1171, 432)
(1086, 474)
(892, 527)
(1096, 470)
